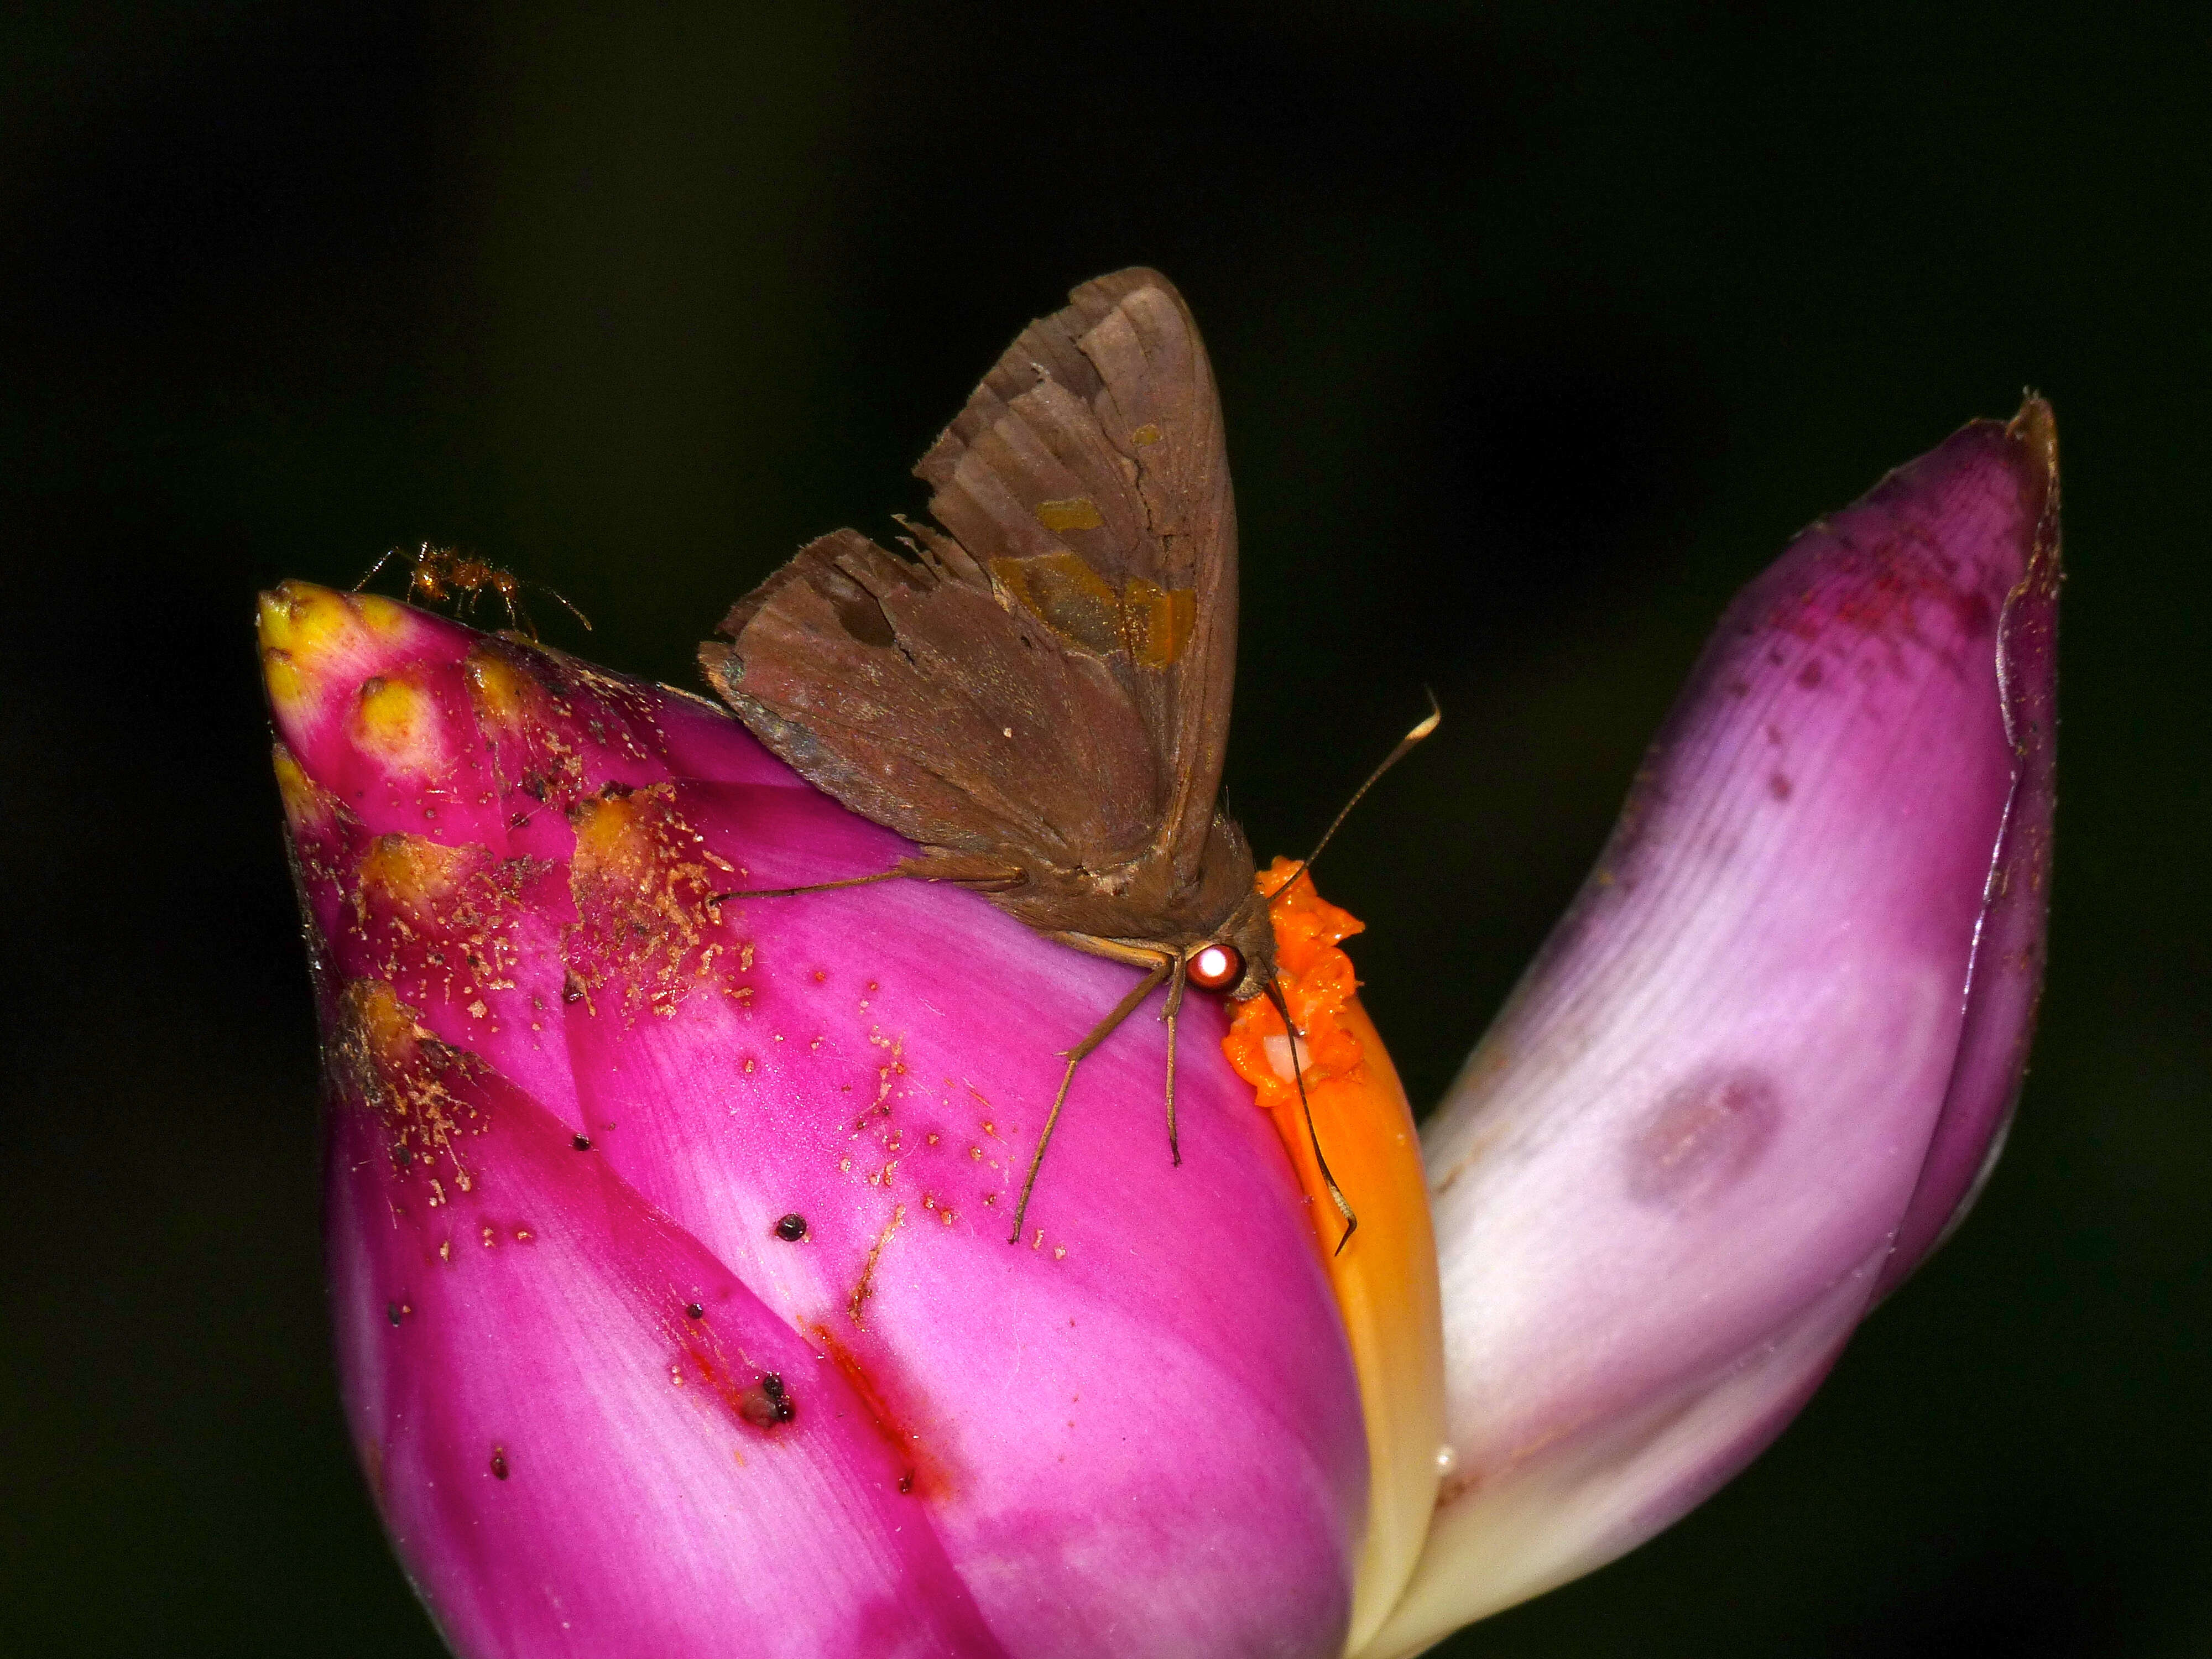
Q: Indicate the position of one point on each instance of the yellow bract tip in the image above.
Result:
(287, 687)
(503, 693)
(305, 806)
(397, 720)
(303, 621)
(309, 622)
(411, 870)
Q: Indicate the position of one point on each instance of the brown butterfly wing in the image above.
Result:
(1051, 681)
(920, 702)
(1095, 445)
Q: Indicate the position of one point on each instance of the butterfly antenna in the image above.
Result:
(1428, 724)
(1313, 1137)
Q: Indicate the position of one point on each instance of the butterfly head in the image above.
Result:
(1240, 958)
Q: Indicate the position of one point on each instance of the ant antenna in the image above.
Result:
(1428, 724)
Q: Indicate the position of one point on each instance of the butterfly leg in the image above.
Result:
(1176, 976)
(1099, 1033)
(979, 874)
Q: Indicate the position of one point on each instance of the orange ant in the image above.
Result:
(437, 576)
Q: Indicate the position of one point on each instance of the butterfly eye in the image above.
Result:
(1216, 967)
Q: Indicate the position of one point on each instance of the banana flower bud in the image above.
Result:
(667, 1225)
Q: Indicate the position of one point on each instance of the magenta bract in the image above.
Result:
(668, 1232)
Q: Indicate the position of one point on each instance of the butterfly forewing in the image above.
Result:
(1050, 682)
(1087, 476)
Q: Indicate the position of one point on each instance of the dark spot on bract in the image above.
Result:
(582, 1143)
(403, 1155)
(498, 1463)
(693, 1310)
(392, 1312)
(1778, 786)
(572, 988)
(1702, 1137)
(906, 1481)
(1811, 675)
(792, 1228)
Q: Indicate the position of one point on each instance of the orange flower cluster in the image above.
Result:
(1318, 986)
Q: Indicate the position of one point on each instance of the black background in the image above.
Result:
(1540, 330)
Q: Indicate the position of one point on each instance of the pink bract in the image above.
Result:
(1762, 1063)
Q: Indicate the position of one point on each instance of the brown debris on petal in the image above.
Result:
(442, 924)
(767, 1403)
(424, 1090)
(646, 919)
(558, 729)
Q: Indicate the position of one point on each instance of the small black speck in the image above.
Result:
(582, 1143)
(403, 1156)
(792, 1228)
(906, 1481)
(693, 1310)
(498, 1464)
(392, 1312)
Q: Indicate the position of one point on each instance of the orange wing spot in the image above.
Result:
(1076, 512)
(1156, 622)
(1068, 597)
(1150, 623)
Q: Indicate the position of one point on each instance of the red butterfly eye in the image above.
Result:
(1216, 967)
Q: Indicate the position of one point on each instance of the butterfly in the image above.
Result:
(1036, 691)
